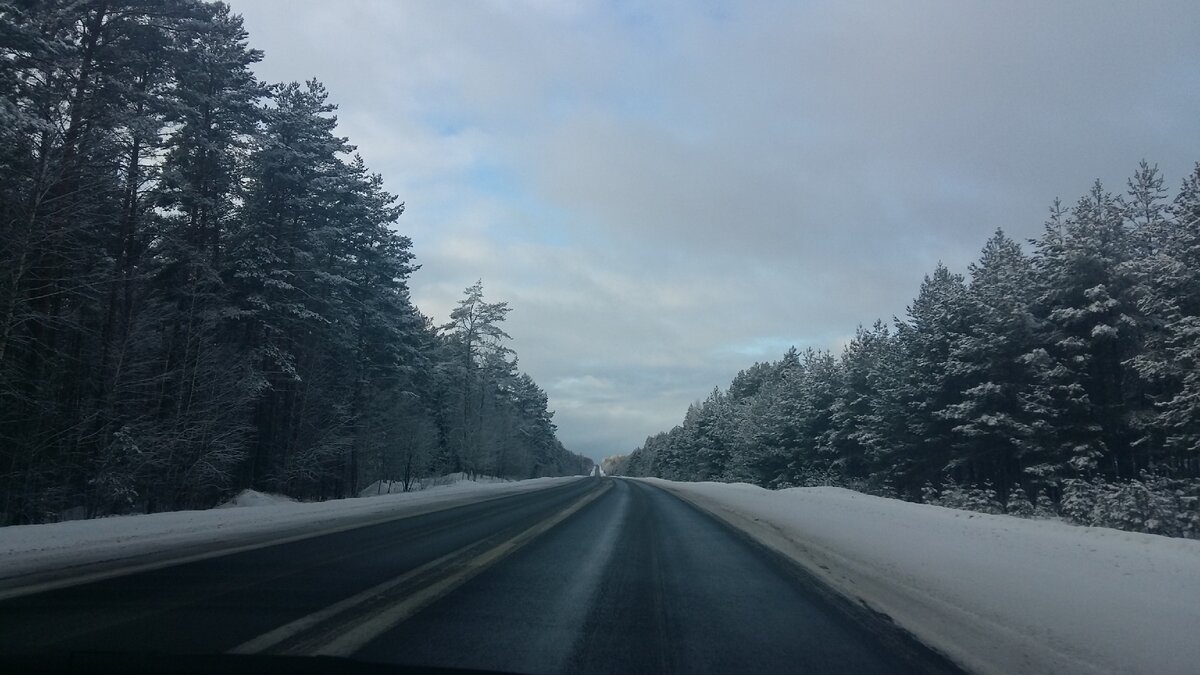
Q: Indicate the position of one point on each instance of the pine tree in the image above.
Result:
(475, 338)
(1089, 327)
(920, 444)
(853, 411)
(1168, 296)
(991, 422)
(195, 425)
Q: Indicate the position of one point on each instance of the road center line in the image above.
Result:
(352, 634)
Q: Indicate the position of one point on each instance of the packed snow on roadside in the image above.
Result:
(994, 593)
(75, 545)
(255, 498)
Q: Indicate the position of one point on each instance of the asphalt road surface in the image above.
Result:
(598, 575)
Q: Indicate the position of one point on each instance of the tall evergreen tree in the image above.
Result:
(1169, 298)
(1089, 329)
(991, 420)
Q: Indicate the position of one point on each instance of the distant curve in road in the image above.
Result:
(631, 580)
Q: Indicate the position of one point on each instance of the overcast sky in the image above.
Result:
(667, 192)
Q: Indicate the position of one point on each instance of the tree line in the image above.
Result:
(1068, 377)
(202, 286)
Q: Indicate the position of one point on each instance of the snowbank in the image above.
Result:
(255, 498)
(46, 554)
(995, 593)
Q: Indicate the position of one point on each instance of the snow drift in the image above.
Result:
(255, 498)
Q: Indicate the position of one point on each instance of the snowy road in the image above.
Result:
(597, 575)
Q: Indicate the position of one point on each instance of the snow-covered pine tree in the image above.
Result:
(1088, 329)
(990, 421)
(852, 409)
(921, 445)
(194, 423)
(1168, 294)
(474, 334)
(1018, 503)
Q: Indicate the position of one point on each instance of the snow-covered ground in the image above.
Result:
(256, 498)
(997, 594)
(46, 554)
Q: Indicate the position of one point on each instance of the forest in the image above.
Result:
(202, 287)
(1061, 382)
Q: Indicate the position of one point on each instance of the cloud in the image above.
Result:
(667, 192)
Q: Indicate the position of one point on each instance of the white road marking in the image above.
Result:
(362, 630)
